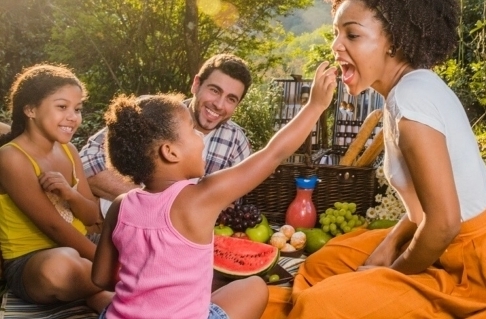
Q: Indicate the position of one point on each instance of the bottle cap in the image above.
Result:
(307, 182)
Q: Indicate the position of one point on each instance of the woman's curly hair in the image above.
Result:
(134, 125)
(425, 31)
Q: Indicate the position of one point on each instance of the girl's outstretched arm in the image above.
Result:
(106, 265)
(216, 191)
(81, 201)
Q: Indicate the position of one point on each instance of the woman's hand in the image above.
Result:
(384, 255)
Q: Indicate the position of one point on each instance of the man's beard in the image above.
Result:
(197, 115)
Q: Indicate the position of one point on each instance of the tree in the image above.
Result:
(465, 72)
(137, 46)
(145, 46)
(24, 30)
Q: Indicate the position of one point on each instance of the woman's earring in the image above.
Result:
(391, 51)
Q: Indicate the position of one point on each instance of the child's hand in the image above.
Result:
(56, 183)
(323, 86)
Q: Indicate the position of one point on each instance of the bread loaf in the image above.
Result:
(363, 134)
(372, 151)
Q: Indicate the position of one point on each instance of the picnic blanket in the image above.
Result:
(15, 308)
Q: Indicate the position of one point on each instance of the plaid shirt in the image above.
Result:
(93, 154)
(227, 147)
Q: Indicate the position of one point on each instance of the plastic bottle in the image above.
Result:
(301, 211)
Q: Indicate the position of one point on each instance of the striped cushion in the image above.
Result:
(15, 308)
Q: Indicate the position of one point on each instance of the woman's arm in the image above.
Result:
(106, 265)
(19, 181)
(427, 158)
(392, 246)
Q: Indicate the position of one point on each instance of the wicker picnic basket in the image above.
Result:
(337, 183)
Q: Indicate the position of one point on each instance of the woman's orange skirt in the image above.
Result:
(328, 286)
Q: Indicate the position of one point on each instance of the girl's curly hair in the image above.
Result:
(134, 125)
(31, 87)
(425, 31)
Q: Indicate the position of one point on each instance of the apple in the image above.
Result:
(265, 222)
(223, 230)
(258, 233)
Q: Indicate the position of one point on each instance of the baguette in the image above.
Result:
(364, 132)
(372, 151)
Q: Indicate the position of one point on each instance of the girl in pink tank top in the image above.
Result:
(156, 247)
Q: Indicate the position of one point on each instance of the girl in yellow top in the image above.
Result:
(45, 201)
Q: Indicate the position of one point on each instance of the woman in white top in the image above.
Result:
(432, 263)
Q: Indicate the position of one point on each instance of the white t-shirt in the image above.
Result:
(423, 97)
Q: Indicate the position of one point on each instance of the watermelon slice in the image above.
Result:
(240, 258)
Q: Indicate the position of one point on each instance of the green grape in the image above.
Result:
(339, 219)
(358, 223)
(322, 215)
(338, 205)
(344, 206)
(355, 217)
(346, 229)
(338, 233)
(343, 224)
(351, 223)
(332, 218)
(335, 213)
(349, 215)
(329, 211)
(352, 207)
(325, 228)
(333, 232)
(332, 227)
(325, 221)
(342, 212)
(274, 278)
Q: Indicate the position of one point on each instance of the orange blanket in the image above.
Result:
(327, 286)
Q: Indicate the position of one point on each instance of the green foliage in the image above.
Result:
(5, 117)
(137, 46)
(299, 53)
(320, 52)
(256, 113)
(482, 145)
(466, 74)
(24, 27)
(92, 123)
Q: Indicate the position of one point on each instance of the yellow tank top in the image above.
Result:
(18, 235)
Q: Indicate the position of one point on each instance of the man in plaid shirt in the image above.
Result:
(217, 89)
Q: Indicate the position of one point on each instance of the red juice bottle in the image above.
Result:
(301, 211)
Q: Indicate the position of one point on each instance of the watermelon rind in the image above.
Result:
(240, 258)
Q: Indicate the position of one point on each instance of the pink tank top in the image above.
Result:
(162, 274)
